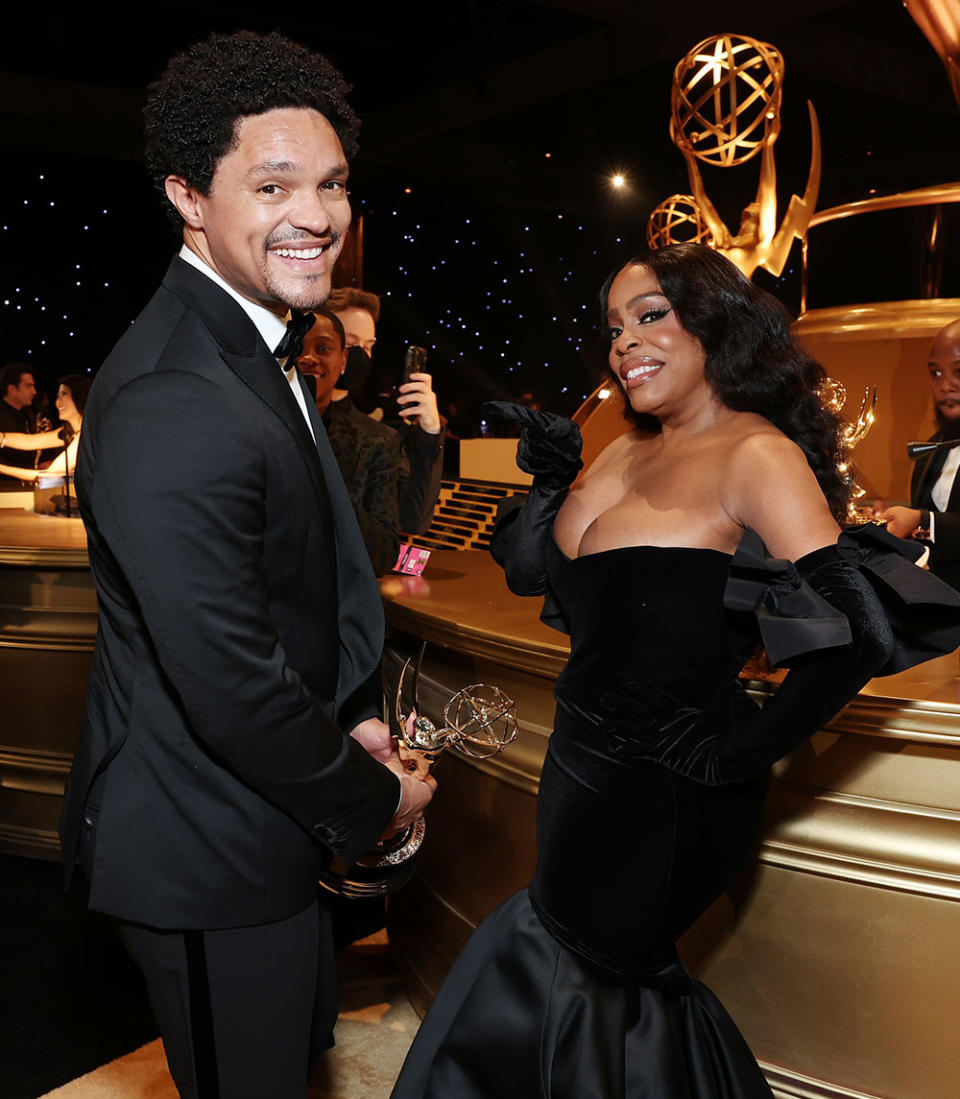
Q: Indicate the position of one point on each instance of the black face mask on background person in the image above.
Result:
(356, 371)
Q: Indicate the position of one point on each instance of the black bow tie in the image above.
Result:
(291, 345)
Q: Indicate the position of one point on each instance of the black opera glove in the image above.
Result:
(733, 739)
(550, 445)
(549, 450)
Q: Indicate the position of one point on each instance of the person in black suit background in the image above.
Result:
(367, 453)
(934, 513)
(422, 432)
(17, 391)
(230, 747)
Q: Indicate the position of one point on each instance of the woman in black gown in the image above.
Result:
(710, 526)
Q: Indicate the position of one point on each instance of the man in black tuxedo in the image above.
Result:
(934, 512)
(230, 747)
(17, 391)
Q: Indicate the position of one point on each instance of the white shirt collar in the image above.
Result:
(269, 325)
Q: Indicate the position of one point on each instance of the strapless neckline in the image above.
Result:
(641, 548)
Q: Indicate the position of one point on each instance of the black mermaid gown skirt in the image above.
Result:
(572, 989)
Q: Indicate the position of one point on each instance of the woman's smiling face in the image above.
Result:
(65, 403)
(657, 362)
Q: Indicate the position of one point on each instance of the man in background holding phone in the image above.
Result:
(422, 464)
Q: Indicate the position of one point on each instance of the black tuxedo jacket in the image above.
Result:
(240, 630)
(945, 552)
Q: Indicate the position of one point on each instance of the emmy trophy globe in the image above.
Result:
(677, 220)
(479, 721)
(725, 91)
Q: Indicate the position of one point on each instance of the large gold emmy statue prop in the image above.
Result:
(833, 395)
(940, 22)
(725, 111)
(479, 721)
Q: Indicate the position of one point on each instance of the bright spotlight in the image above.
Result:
(618, 180)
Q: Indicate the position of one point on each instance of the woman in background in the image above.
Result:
(651, 795)
(71, 400)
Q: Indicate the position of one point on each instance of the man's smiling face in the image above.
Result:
(272, 225)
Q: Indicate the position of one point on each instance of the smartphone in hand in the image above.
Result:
(415, 361)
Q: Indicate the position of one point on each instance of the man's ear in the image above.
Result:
(187, 200)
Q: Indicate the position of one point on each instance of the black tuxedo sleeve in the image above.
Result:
(179, 497)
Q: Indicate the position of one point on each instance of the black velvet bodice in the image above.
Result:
(630, 852)
(648, 612)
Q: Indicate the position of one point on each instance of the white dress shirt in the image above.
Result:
(940, 492)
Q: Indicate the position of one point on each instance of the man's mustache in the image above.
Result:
(332, 238)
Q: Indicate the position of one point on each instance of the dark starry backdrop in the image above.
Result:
(486, 250)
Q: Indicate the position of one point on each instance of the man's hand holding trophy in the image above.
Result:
(478, 720)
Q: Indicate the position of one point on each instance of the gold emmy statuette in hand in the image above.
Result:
(480, 721)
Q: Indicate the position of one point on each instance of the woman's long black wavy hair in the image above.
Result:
(753, 363)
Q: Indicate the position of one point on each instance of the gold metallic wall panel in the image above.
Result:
(427, 935)
(29, 843)
(909, 775)
(794, 1085)
(847, 984)
(28, 822)
(48, 626)
(866, 841)
(44, 697)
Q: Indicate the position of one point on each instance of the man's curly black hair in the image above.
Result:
(192, 109)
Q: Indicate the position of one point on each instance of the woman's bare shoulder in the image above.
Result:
(769, 485)
(755, 439)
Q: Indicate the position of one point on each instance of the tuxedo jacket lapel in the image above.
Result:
(245, 353)
(953, 504)
(925, 474)
(263, 375)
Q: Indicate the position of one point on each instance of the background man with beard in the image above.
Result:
(230, 746)
(934, 514)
